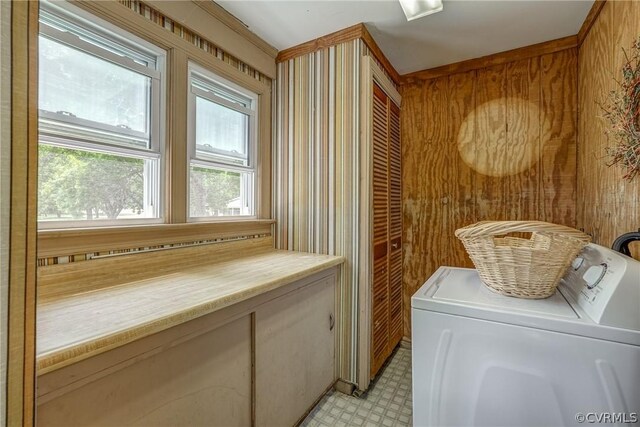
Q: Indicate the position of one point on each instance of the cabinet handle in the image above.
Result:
(332, 322)
(394, 245)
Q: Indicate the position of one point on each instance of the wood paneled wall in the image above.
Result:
(494, 143)
(607, 205)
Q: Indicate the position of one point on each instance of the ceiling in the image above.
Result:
(466, 29)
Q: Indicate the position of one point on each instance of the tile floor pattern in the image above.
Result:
(387, 403)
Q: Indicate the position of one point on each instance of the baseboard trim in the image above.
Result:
(344, 387)
(312, 407)
(405, 342)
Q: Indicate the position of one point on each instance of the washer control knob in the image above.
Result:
(594, 275)
(577, 263)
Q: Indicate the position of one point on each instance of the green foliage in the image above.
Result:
(87, 185)
(212, 191)
(84, 185)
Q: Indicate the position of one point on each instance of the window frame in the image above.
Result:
(126, 41)
(76, 240)
(218, 82)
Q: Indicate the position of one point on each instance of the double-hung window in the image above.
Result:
(222, 147)
(100, 128)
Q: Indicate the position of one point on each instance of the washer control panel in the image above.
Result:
(594, 275)
(577, 263)
(606, 285)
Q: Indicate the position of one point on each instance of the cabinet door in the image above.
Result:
(295, 345)
(380, 279)
(203, 381)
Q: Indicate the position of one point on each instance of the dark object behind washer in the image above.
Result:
(621, 244)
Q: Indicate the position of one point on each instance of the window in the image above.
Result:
(100, 104)
(222, 147)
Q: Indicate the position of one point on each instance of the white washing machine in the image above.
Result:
(484, 359)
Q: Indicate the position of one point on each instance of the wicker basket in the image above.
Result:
(517, 267)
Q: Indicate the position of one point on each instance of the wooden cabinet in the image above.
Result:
(293, 334)
(263, 362)
(205, 380)
(385, 201)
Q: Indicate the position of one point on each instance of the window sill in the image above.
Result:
(172, 293)
(63, 242)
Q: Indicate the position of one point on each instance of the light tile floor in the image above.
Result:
(387, 403)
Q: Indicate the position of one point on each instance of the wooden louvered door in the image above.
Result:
(380, 282)
(386, 310)
(395, 228)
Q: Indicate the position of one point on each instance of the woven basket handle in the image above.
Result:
(498, 228)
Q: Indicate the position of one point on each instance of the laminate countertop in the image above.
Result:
(74, 327)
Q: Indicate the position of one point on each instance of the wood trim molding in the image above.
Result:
(176, 133)
(341, 36)
(230, 35)
(375, 73)
(590, 20)
(22, 227)
(495, 59)
(123, 17)
(370, 73)
(52, 243)
(236, 25)
(364, 281)
(264, 170)
(358, 31)
(368, 39)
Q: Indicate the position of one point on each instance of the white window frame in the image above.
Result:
(143, 58)
(202, 160)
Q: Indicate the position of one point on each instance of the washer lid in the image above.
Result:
(463, 287)
(459, 292)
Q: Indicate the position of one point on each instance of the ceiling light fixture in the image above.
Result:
(414, 9)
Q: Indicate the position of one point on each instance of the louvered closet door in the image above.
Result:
(395, 228)
(380, 288)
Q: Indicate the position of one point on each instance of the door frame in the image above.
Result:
(370, 72)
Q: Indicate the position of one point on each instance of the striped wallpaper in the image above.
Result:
(185, 33)
(316, 166)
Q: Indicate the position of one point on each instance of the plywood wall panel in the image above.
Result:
(607, 205)
(424, 118)
(625, 195)
(521, 191)
(591, 131)
(559, 137)
(494, 143)
(491, 142)
(460, 177)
